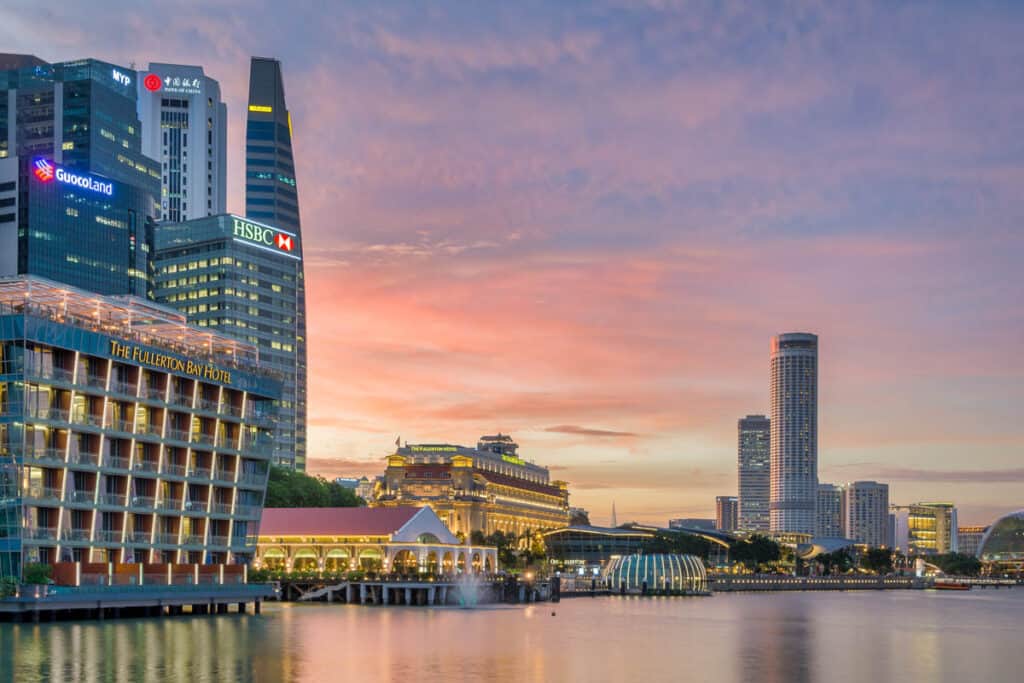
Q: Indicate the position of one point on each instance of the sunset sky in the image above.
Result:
(581, 224)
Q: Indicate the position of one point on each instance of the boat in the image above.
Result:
(951, 585)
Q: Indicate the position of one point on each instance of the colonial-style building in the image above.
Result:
(488, 488)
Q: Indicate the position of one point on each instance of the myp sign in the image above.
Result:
(46, 172)
(265, 237)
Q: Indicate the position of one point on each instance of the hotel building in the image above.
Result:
(794, 433)
(125, 435)
(272, 198)
(240, 278)
(184, 127)
(866, 513)
(77, 195)
(754, 472)
(829, 522)
(932, 529)
(488, 488)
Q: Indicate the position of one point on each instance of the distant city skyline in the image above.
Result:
(532, 220)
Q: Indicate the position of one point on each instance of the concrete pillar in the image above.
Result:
(362, 594)
(408, 596)
(349, 590)
(241, 608)
(384, 594)
(431, 595)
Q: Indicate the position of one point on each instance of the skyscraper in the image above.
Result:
(271, 197)
(184, 127)
(726, 513)
(829, 522)
(77, 196)
(754, 472)
(794, 433)
(866, 513)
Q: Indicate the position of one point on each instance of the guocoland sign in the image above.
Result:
(163, 361)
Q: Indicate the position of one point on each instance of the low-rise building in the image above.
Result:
(969, 539)
(403, 539)
(932, 528)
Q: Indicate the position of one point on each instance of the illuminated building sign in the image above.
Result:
(46, 171)
(121, 77)
(433, 449)
(152, 82)
(513, 459)
(174, 84)
(262, 108)
(265, 237)
(162, 361)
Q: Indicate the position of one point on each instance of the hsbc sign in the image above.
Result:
(265, 237)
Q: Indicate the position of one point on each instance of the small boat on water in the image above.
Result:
(951, 585)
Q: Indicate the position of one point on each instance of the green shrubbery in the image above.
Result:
(8, 586)
(291, 489)
(36, 573)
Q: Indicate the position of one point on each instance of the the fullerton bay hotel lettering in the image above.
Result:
(140, 355)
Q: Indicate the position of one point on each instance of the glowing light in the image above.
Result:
(261, 108)
(152, 82)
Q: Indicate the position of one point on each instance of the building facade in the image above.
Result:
(866, 513)
(794, 433)
(969, 539)
(77, 195)
(240, 278)
(125, 435)
(726, 513)
(184, 128)
(487, 489)
(271, 197)
(754, 473)
(932, 529)
(1002, 547)
(830, 512)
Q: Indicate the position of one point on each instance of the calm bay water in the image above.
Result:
(783, 637)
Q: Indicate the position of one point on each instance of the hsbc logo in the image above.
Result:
(264, 236)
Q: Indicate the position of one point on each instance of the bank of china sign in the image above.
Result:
(264, 237)
(46, 172)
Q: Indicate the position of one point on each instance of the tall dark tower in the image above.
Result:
(271, 197)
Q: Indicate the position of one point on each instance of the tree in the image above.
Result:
(837, 562)
(36, 573)
(288, 488)
(957, 564)
(755, 551)
(877, 560)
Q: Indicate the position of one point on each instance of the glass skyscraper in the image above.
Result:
(754, 472)
(77, 195)
(271, 198)
(238, 277)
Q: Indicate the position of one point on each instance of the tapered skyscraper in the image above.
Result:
(794, 433)
(271, 198)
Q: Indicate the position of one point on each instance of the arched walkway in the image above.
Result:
(405, 562)
(274, 559)
(337, 560)
(305, 560)
(371, 559)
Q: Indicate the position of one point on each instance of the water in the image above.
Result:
(782, 637)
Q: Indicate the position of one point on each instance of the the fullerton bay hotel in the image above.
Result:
(125, 434)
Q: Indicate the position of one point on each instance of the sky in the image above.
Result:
(582, 223)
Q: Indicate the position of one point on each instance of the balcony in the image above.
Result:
(52, 414)
(247, 511)
(43, 493)
(207, 405)
(231, 411)
(51, 374)
(125, 388)
(196, 506)
(221, 541)
(115, 462)
(88, 420)
(224, 476)
(82, 497)
(84, 458)
(45, 456)
(166, 539)
(127, 426)
(146, 466)
(192, 540)
(117, 499)
(174, 470)
(199, 472)
(227, 442)
(139, 537)
(40, 534)
(243, 541)
(202, 438)
(94, 381)
(182, 400)
(253, 478)
(75, 535)
(177, 434)
(171, 504)
(153, 393)
(220, 508)
(108, 536)
(144, 502)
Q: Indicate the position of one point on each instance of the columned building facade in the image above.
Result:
(866, 513)
(829, 518)
(794, 433)
(754, 473)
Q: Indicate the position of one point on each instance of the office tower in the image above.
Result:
(271, 197)
(77, 196)
(969, 539)
(184, 127)
(754, 472)
(794, 433)
(126, 435)
(866, 512)
(238, 277)
(726, 513)
(830, 512)
(932, 529)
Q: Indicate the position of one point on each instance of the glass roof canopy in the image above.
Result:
(122, 316)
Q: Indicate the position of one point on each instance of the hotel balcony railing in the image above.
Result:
(257, 478)
(55, 414)
(41, 533)
(153, 393)
(177, 434)
(79, 535)
(183, 400)
(115, 462)
(51, 374)
(150, 430)
(218, 540)
(45, 455)
(118, 387)
(230, 410)
(166, 539)
(144, 502)
(140, 536)
(220, 508)
(108, 536)
(207, 405)
(117, 499)
(262, 419)
(172, 504)
(47, 493)
(146, 466)
(126, 426)
(199, 472)
(83, 458)
(241, 541)
(174, 470)
(195, 506)
(192, 540)
(247, 510)
(88, 419)
(224, 476)
(202, 438)
(87, 497)
(227, 442)
(95, 381)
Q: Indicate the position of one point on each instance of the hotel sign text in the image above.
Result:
(137, 354)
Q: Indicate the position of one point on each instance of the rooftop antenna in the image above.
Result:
(615, 521)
